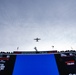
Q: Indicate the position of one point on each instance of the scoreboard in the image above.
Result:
(38, 64)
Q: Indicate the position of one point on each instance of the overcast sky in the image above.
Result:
(54, 21)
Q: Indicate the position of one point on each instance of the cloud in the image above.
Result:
(23, 20)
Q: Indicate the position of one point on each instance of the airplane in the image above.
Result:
(37, 39)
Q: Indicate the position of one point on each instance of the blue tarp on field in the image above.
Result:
(37, 64)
